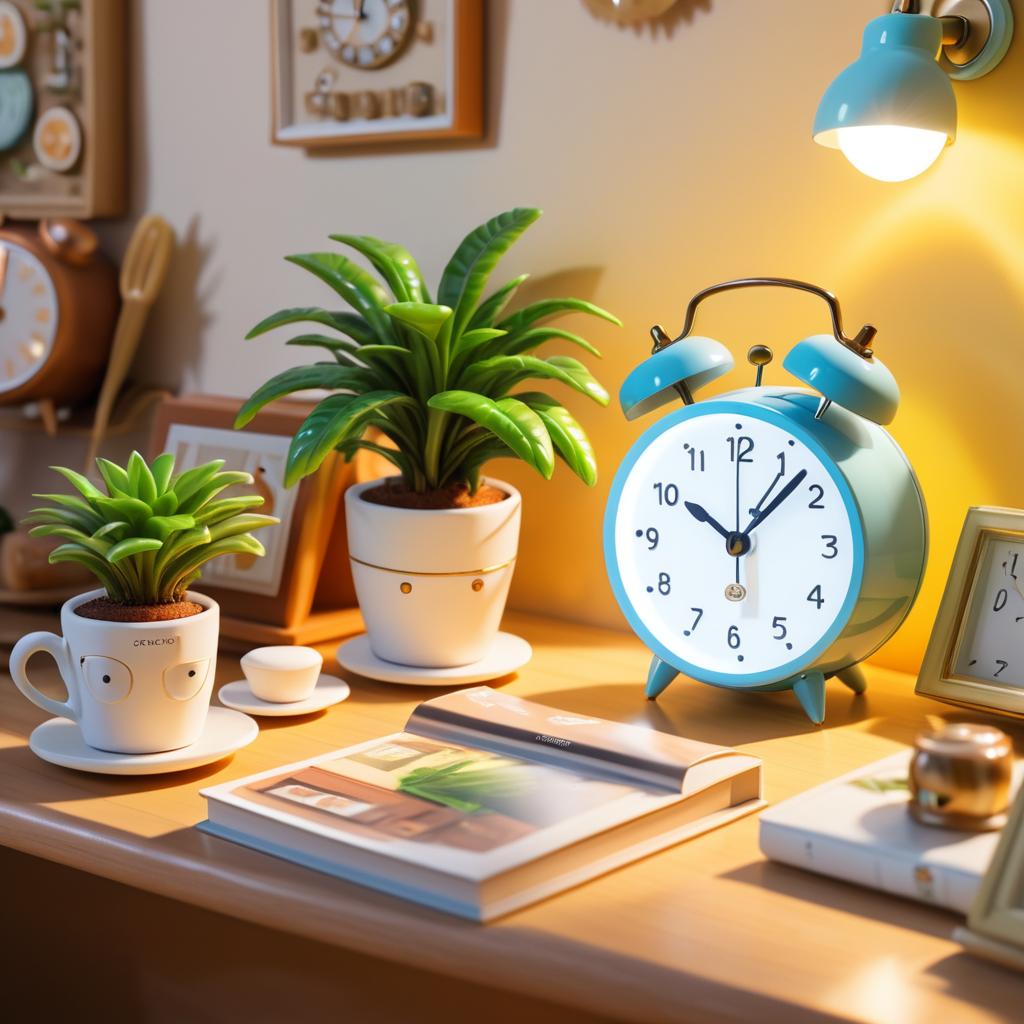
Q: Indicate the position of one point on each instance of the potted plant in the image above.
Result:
(138, 657)
(433, 547)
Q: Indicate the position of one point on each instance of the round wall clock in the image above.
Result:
(772, 537)
(58, 302)
(365, 33)
(16, 105)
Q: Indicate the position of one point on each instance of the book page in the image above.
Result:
(456, 809)
(520, 727)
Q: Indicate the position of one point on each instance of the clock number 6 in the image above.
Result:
(734, 637)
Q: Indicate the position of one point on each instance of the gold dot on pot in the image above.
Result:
(406, 588)
(478, 585)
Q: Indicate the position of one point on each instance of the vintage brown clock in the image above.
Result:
(58, 303)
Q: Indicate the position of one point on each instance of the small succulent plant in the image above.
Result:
(147, 539)
(439, 379)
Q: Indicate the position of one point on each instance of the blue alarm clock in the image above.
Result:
(772, 537)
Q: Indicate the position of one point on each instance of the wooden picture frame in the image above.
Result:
(461, 92)
(96, 185)
(940, 677)
(995, 923)
(272, 600)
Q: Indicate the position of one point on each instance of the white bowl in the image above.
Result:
(282, 675)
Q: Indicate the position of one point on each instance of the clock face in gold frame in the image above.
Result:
(28, 315)
(975, 657)
(365, 34)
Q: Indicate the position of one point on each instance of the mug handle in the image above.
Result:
(57, 648)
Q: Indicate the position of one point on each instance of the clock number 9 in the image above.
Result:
(733, 637)
(651, 536)
(668, 494)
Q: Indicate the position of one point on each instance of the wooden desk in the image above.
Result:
(705, 931)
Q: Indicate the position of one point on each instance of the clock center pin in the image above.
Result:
(735, 592)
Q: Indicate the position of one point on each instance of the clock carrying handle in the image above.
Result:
(858, 344)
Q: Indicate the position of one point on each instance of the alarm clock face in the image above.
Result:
(28, 315)
(737, 547)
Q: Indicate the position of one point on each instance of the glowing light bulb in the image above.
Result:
(891, 152)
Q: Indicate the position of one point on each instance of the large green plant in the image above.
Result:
(436, 377)
(147, 538)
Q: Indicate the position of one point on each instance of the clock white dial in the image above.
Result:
(735, 546)
(991, 646)
(28, 315)
(365, 33)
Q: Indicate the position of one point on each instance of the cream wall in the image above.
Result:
(666, 159)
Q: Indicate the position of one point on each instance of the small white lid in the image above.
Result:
(283, 658)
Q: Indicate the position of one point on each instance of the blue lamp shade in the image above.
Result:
(893, 110)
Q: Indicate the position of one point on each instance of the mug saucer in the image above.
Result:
(329, 690)
(60, 742)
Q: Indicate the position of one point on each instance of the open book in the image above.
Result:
(487, 802)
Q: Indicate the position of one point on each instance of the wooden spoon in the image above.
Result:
(142, 276)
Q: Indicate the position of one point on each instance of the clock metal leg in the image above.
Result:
(659, 675)
(810, 691)
(854, 678)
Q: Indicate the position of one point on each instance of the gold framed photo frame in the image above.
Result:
(350, 72)
(995, 924)
(975, 657)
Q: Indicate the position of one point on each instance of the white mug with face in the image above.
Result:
(133, 687)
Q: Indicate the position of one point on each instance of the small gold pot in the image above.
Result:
(960, 777)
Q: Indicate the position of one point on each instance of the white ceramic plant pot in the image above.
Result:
(432, 583)
(133, 687)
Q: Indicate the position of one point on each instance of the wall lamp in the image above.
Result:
(893, 111)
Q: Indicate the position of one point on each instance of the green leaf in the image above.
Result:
(241, 524)
(108, 532)
(568, 436)
(334, 420)
(132, 546)
(333, 345)
(424, 317)
(469, 341)
(162, 469)
(393, 262)
(466, 274)
(166, 504)
(130, 509)
(187, 483)
(302, 378)
(113, 475)
(355, 285)
(140, 479)
(79, 482)
(350, 324)
(547, 308)
(195, 504)
(161, 527)
(217, 511)
(510, 420)
(492, 307)
(505, 372)
(525, 341)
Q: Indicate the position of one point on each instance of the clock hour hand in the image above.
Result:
(702, 515)
(775, 502)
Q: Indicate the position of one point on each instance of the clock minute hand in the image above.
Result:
(776, 502)
(702, 515)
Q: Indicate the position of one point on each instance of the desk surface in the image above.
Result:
(705, 931)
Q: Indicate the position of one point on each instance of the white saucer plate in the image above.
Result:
(508, 654)
(59, 741)
(329, 690)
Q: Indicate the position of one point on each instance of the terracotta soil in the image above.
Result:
(456, 496)
(110, 611)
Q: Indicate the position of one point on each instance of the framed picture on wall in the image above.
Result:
(268, 599)
(975, 657)
(385, 71)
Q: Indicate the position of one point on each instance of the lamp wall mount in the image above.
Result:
(975, 33)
